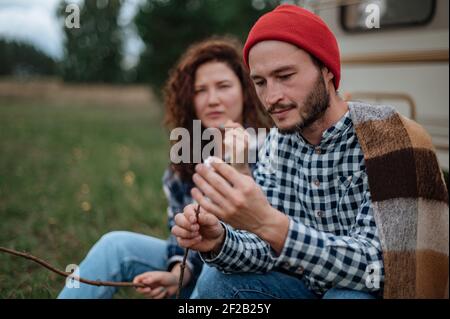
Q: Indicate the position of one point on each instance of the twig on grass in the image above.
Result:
(67, 274)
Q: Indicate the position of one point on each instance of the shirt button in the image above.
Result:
(318, 150)
(319, 213)
(316, 182)
(300, 270)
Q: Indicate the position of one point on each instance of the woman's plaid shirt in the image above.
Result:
(332, 239)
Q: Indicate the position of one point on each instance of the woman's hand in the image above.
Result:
(161, 284)
(236, 142)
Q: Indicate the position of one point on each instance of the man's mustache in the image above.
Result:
(280, 107)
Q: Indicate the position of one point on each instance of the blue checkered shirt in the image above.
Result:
(332, 239)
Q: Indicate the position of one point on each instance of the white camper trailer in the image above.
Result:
(395, 52)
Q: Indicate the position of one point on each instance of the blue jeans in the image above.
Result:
(119, 256)
(213, 284)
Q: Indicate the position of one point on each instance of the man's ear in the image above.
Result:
(327, 75)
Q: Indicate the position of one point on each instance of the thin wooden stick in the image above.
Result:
(67, 274)
(183, 264)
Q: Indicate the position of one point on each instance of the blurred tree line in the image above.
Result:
(94, 52)
(169, 27)
(22, 60)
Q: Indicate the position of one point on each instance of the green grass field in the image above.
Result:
(69, 174)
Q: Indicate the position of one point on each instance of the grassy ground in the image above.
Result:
(68, 174)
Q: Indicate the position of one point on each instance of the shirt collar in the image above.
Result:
(337, 130)
(332, 134)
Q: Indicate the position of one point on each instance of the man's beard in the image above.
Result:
(314, 107)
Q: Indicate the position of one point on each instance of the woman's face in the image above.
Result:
(218, 95)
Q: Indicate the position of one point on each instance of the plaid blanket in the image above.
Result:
(410, 202)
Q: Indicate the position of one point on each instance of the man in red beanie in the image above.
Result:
(347, 201)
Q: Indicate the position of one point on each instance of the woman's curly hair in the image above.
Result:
(179, 90)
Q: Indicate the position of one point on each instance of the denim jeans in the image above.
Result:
(119, 256)
(212, 284)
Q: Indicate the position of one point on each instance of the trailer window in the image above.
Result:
(360, 15)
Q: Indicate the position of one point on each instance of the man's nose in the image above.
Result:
(273, 94)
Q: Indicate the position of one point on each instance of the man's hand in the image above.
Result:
(237, 200)
(203, 234)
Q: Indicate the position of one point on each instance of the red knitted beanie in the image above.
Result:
(302, 28)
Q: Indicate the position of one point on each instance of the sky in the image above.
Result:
(35, 22)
